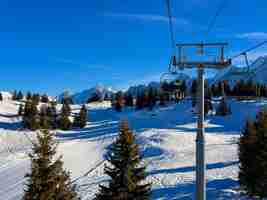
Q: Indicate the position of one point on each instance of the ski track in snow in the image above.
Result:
(167, 142)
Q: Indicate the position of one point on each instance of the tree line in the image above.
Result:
(45, 116)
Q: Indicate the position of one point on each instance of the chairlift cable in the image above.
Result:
(212, 23)
(249, 50)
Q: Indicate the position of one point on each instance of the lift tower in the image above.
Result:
(200, 60)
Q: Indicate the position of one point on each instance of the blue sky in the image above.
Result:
(50, 46)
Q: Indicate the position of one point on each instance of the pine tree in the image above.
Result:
(14, 95)
(139, 104)
(45, 119)
(119, 101)
(207, 105)
(162, 99)
(52, 114)
(21, 110)
(151, 98)
(44, 98)
(129, 100)
(81, 119)
(194, 92)
(30, 117)
(223, 109)
(19, 96)
(126, 174)
(253, 157)
(47, 179)
(28, 96)
(64, 121)
(247, 153)
(35, 99)
(1, 97)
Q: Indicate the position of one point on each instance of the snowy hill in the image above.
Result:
(167, 142)
(257, 72)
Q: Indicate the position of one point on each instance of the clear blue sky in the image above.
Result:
(52, 45)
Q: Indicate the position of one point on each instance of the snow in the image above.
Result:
(167, 142)
(83, 96)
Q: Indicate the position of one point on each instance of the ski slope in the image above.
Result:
(167, 142)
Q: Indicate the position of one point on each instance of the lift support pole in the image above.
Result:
(200, 138)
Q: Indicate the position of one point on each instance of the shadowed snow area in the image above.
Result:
(167, 142)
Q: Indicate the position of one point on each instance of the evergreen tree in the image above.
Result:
(129, 100)
(194, 92)
(119, 101)
(247, 152)
(151, 98)
(21, 110)
(44, 98)
(207, 106)
(14, 95)
(183, 88)
(64, 121)
(126, 174)
(1, 97)
(30, 117)
(45, 120)
(81, 119)
(28, 96)
(52, 114)
(35, 99)
(253, 157)
(47, 179)
(19, 96)
(223, 109)
(162, 99)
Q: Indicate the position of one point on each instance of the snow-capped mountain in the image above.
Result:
(83, 96)
(256, 72)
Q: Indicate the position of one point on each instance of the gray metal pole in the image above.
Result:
(200, 140)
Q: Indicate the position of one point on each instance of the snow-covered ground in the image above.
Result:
(167, 141)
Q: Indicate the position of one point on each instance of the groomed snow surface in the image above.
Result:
(167, 141)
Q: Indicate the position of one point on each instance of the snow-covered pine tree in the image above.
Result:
(81, 119)
(127, 176)
(47, 179)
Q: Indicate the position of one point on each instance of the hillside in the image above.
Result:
(166, 137)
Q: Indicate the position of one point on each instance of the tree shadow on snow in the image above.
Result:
(10, 126)
(103, 129)
(193, 168)
(221, 189)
